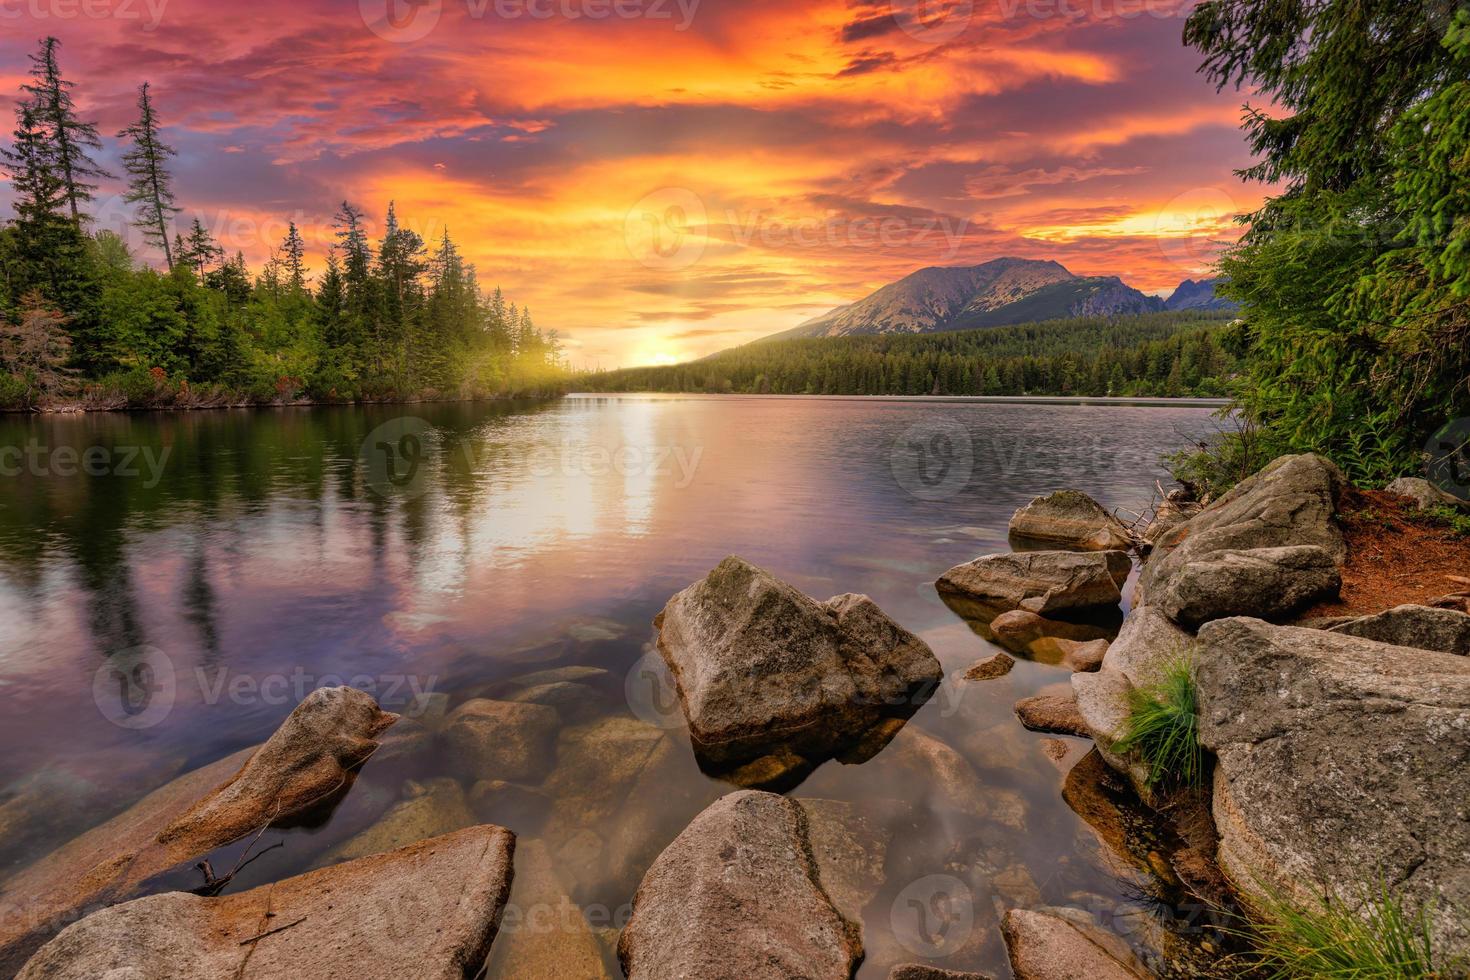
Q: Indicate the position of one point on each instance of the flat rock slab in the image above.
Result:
(430, 910)
(1284, 515)
(1042, 582)
(918, 971)
(763, 669)
(1064, 944)
(309, 761)
(736, 896)
(990, 668)
(1070, 519)
(1053, 714)
(1341, 761)
(1421, 627)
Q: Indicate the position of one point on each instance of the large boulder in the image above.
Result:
(1270, 583)
(1148, 642)
(502, 740)
(1042, 582)
(1064, 944)
(310, 761)
(1070, 519)
(1342, 763)
(1268, 547)
(762, 668)
(738, 895)
(430, 910)
(1422, 627)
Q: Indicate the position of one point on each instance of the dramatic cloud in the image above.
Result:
(658, 179)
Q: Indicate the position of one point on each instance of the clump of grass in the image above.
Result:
(1452, 518)
(1384, 940)
(1163, 728)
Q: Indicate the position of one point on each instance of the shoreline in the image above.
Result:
(64, 410)
(1141, 401)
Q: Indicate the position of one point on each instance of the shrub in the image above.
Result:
(1163, 728)
(1384, 940)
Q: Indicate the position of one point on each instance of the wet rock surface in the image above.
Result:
(738, 895)
(763, 669)
(430, 910)
(1052, 713)
(1070, 519)
(1343, 764)
(308, 763)
(502, 740)
(1064, 944)
(1042, 582)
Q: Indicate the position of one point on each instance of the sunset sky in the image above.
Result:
(659, 179)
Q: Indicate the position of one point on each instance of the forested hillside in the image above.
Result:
(83, 321)
(1162, 354)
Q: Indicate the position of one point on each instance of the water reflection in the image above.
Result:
(266, 559)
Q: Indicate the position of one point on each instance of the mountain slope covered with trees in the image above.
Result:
(1159, 354)
(83, 322)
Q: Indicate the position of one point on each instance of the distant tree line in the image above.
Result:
(82, 320)
(1160, 354)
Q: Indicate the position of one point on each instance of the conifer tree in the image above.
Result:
(71, 138)
(201, 249)
(293, 252)
(47, 244)
(149, 182)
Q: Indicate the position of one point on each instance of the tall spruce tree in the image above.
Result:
(71, 137)
(149, 182)
(48, 245)
(293, 256)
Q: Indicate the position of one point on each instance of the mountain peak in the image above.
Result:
(1001, 291)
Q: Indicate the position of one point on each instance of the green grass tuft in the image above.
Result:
(1331, 941)
(1163, 728)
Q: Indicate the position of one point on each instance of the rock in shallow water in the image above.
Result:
(430, 910)
(990, 668)
(1070, 519)
(1052, 713)
(1064, 944)
(502, 740)
(1340, 760)
(762, 668)
(737, 895)
(309, 762)
(917, 971)
(1042, 582)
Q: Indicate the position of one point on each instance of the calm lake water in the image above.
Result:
(234, 560)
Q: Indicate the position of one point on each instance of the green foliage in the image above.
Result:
(1149, 355)
(1331, 940)
(1163, 728)
(1453, 518)
(203, 333)
(1355, 279)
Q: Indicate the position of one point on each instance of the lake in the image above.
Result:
(172, 584)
